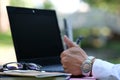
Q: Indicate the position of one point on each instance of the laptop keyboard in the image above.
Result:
(53, 68)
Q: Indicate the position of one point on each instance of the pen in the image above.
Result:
(79, 40)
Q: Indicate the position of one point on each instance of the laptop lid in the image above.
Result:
(36, 35)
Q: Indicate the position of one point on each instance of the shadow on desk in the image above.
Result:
(47, 78)
(32, 78)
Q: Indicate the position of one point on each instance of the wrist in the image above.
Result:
(93, 60)
(86, 66)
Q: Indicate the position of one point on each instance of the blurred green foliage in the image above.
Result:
(111, 5)
(5, 39)
(82, 32)
(17, 2)
(89, 37)
(47, 5)
(28, 3)
(22, 3)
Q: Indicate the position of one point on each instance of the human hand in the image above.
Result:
(72, 58)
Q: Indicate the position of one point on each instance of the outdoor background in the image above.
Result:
(97, 20)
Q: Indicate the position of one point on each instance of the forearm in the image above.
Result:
(105, 70)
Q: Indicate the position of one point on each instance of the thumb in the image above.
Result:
(69, 43)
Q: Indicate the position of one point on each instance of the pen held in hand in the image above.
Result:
(79, 39)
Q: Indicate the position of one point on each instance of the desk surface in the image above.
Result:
(38, 76)
(33, 75)
(32, 78)
(47, 78)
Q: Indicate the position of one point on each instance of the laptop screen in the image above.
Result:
(35, 33)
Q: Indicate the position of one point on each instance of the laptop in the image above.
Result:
(36, 37)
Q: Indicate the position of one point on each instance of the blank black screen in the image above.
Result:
(35, 33)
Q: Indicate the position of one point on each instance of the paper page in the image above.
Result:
(33, 73)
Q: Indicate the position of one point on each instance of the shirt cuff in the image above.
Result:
(101, 68)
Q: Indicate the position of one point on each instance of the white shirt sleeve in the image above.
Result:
(103, 70)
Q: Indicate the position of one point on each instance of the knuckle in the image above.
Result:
(63, 54)
(65, 62)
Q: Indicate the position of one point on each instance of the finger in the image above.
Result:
(66, 70)
(69, 43)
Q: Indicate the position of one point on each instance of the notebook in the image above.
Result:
(36, 36)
